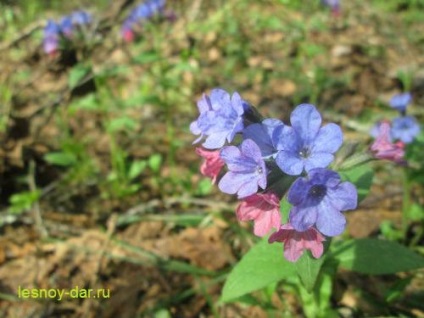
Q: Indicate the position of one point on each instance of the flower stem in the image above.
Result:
(406, 203)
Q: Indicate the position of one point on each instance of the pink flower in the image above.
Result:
(128, 35)
(383, 148)
(296, 242)
(263, 209)
(212, 165)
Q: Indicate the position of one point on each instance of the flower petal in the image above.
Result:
(249, 186)
(329, 139)
(303, 217)
(318, 160)
(266, 221)
(344, 196)
(298, 191)
(238, 103)
(215, 141)
(293, 250)
(250, 149)
(330, 221)
(289, 162)
(219, 98)
(306, 121)
(285, 138)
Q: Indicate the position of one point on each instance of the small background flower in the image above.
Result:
(384, 148)
(401, 101)
(51, 37)
(141, 13)
(405, 128)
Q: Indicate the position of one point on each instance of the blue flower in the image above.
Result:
(247, 171)
(262, 133)
(66, 26)
(80, 18)
(405, 128)
(318, 199)
(148, 9)
(141, 13)
(221, 118)
(331, 3)
(306, 145)
(51, 37)
(401, 101)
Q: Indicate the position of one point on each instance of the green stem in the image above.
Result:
(406, 203)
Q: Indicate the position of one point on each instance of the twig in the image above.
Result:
(30, 29)
(36, 206)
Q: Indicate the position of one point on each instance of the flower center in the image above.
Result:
(305, 152)
(259, 171)
(318, 192)
(404, 126)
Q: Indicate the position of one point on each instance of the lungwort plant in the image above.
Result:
(283, 176)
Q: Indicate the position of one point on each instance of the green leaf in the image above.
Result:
(147, 57)
(204, 187)
(89, 102)
(308, 269)
(371, 256)
(397, 290)
(23, 201)
(64, 159)
(416, 212)
(122, 123)
(361, 176)
(155, 161)
(77, 74)
(136, 168)
(264, 264)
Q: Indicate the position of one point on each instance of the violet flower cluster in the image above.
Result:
(57, 34)
(261, 160)
(334, 5)
(392, 136)
(138, 16)
(70, 28)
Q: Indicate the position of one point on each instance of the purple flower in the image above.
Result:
(140, 13)
(246, 167)
(333, 4)
(405, 128)
(306, 145)
(80, 18)
(148, 9)
(221, 118)
(401, 101)
(318, 199)
(262, 133)
(69, 22)
(66, 26)
(375, 130)
(51, 37)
